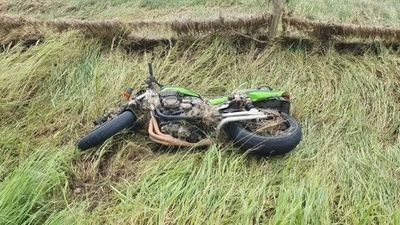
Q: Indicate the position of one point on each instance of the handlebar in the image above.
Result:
(150, 66)
(151, 80)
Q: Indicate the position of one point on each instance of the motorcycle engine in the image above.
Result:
(181, 116)
(188, 106)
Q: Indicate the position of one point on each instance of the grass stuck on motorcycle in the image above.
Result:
(257, 121)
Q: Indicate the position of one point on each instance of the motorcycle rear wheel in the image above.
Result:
(265, 146)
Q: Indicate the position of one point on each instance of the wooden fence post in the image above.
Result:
(277, 8)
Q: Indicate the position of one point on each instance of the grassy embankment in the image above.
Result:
(346, 170)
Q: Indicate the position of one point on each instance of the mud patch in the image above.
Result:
(95, 172)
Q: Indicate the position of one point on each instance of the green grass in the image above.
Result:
(345, 171)
(133, 10)
(24, 194)
(384, 12)
(368, 12)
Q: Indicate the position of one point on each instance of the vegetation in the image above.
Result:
(366, 12)
(345, 171)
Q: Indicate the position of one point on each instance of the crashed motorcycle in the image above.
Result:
(257, 121)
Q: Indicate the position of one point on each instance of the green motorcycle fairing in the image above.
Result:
(257, 96)
(180, 90)
(218, 101)
(254, 95)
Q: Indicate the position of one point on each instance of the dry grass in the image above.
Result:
(328, 31)
(18, 28)
(108, 30)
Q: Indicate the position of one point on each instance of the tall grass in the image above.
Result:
(29, 193)
(345, 170)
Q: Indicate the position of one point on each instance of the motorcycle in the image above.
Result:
(257, 121)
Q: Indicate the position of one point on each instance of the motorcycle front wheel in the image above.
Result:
(123, 121)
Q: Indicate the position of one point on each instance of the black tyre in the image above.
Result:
(125, 120)
(265, 145)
